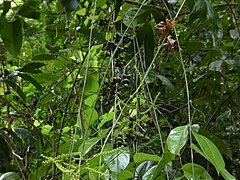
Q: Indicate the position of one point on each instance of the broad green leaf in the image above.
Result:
(31, 80)
(177, 139)
(11, 33)
(216, 140)
(90, 100)
(140, 157)
(203, 10)
(148, 44)
(90, 116)
(118, 161)
(166, 158)
(46, 129)
(199, 172)
(210, 151)
(167, 83)
(10, 176)
(44, 57)
(134, 16)
(125, 174)
(30, 10)
(92, 84)
(227, 175)
(6, 7)
(88, 145)
(32, 67)
(194, 46)
(24, 134)
(105, 118)
(149, 174)
(151, 76)
(194, 147)
(128, 19)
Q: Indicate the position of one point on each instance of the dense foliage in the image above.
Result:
(119, 89)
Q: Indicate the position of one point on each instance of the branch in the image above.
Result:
(14, 150)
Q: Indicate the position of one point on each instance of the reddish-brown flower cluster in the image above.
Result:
(164, 29)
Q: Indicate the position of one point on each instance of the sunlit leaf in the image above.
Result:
(118, 161)
(44, 57)
(140, 157)
(177, 139)
(210, 151)
(199, 172)
(216, 140)
(90, 116)
(88, 145)
(106, 117)
(149, 174)
(166, 158)
(10, 176)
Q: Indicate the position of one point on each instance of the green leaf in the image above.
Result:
(194, 147)
(166, 158)
(46, 129)
(16, 88)
(151, 76)
(167, 83)
(6, 7)
(11, 33)
(199, 172)
(106, 117)
(193, 46)
(31, 80)
(177, 139)
(92, 84)
(4, 150)
(29, 10)
(202, 10)
(88, 145)
(32, 67)
(10, 176)
(95, 34)
(125, 174)
(90, 100)
(148, 44)
(210, 151)
(149, 174)
(216, 140)
(140, 157)
(227, 175)
(134, 16)
(118, 161)
(24, 134)
(90, 116)
(44, 57)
